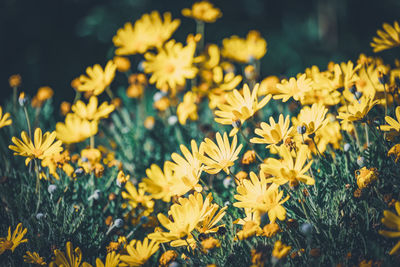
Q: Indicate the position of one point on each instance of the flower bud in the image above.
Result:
(346, 147)
(39, 216)
(51, 189)
(118, 223)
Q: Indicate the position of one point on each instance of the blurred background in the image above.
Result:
(50, 42)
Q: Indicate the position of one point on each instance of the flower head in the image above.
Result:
(71, 258)
(139, 252)
(171, 66)
(280, 250)
(41, 147)
(34, 258)
(388, 38)
(149, 31)
(393, 124)
(244, 50)
(13, 240)
(187, 108)
(358, 110)
(293, 88)
(366, 176)
(273, 133)
(4, 119)
(312, 118)
(97, 79)
(204, 11)
(75, 129)
(91, 111)
(112, 260)
(392, 221)
(220, 156)
(137, 197)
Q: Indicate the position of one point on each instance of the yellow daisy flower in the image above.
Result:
(296, 88)
(244, 50)
(273, 133)
(112, 260)
(139, 252)
(220, 156)
(91, 111)
(393, 125)
(392, 221)
(204, 11)
(137, 197)
(75, 129)
(187, 108)
(41, 147)
(358, 110)
(13, 240)
(97, 79)
(240, 106)
(171, 66)
(4, 119)
(288, 169)
(71, 258)
(311, 119)
(34, 258)
(388, 38)
(149, 31)
(256, 195)
(280, 250)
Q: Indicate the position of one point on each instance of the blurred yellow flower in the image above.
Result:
(257, 195)
(393, 125)
(366, 176)
(123, 64)
(91, 111)
(75, 129)
(112, 260)
(4, 119)
(392, 221)
(42, 95)
(394, 151)
(288, 169)
(15, 80)
(280, 250)
(42, 146)
(240, 106)
(204, 11)
(97, 79)
(57, 161)
(34, 258)
(388, 38)
(171, 66)
(13, 240)
(187, 108)
(242, 50)
(150, 31)
(273, 133)
(137, 197)
(220, 156)
(358, 110)
(296, 88)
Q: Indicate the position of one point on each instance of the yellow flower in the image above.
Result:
(42, 95)
(58, 160)
(97, 79)
(311, 119)
(240, 106)
(15, 80)
(75, 129)
(34, 258)
(393, 124)
(13, 240)
(41, 147)
(112, 260)
(148, 32)
(271, 229)
(167, 257)
(294, 88)
(268, 86)
(366, 176)
(289, 169)
(71, 258)
(183, 218)
(204, 11)
(358, 110)
(139, 252)
(137, 197)
(249, 157)
(257, 196)
(392, 221)
(280, 250)
(274, 133)
(211, 217)
(171, 66)
(210, 243)
(388, 38)
(395, 151)
(244, 50)
(123, 64)
(91, 111)
(188, 168)
(221, 156)
(187, 108)
(122, 178)
(4, 119)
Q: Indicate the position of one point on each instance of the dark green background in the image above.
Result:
(50, 42)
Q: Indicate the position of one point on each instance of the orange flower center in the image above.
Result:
(170, 68)
(37, 152)
(7, 244)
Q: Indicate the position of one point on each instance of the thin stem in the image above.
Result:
(77, 96)
(92, 141)
(356, 134)
(386, 99)
(109, 93)
(366, 133)
(200, 26)
(316, 147)
(28, 122)
(250, 145)
(15, 92)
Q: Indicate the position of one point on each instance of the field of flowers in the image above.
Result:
(178, 153)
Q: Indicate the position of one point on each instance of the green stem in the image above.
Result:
(366, 134)
(200, 26)
(92, 141)
(28, 122)
(109, 93)
(15, 92)
(250, 145)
